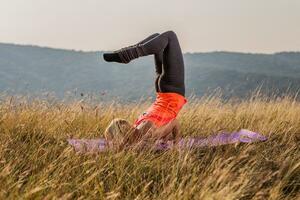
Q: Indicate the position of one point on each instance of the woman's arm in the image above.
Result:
(138, 134)
(170, 131)
(147, 131)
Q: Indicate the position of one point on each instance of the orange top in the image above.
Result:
(165, 108)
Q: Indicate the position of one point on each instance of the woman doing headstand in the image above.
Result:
(159, 120)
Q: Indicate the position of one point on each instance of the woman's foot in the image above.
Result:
(112, 57)
(125, 55)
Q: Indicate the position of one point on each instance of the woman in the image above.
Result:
(159, 120)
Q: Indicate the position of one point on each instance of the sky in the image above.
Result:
(257, 26)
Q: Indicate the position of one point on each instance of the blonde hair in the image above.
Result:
(117, 129)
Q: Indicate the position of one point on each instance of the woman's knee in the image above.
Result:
(170, 34)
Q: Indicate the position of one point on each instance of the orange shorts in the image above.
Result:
(165, 108)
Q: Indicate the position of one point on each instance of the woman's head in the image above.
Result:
(117, 129)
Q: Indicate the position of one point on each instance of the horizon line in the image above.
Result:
(187, 52)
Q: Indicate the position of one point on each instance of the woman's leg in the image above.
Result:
(172, 76)
(158, 59)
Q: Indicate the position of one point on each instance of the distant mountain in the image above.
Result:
(34, 70)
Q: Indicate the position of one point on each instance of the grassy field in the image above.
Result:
(37, 163)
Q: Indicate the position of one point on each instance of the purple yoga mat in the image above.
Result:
(244, 136)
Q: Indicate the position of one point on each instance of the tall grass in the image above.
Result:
(37, 163)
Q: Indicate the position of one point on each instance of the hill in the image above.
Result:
(34, 70)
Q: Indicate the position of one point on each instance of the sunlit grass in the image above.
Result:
(36, 161)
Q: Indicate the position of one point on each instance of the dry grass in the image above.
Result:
(37, 163)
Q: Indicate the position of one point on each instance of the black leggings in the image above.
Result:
(168, 59)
